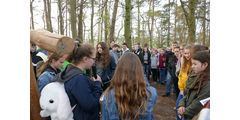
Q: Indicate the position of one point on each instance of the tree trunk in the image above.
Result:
(69, 28)
(112, 31)
(138, 28)
(92, 15)
(159, 35)
(190, 19)
(102, 20)
(47, 11)
(44, 23)
(84, 30)
(127, 27)
(204, 23)
(168, 35)
(49, 14)
(66, 27)
(208, 34)
(61, 23)
(151, 37)
(106, 23)
(99, 22)
(175, 21)
(73, 18)
(192, 25)
(31, 10)
(143, 30)
(58, 23)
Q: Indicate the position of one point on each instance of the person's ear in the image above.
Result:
(205, 64)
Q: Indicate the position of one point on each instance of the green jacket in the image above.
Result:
(191, 100)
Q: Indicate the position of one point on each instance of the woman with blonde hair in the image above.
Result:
(128, 96)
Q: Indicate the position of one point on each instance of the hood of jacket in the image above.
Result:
(69, 72)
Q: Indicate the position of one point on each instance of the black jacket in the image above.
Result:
(139, 54)
(35, 60)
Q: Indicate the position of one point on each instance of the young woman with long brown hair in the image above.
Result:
(128, 96)
(105, 64)
(49, 69)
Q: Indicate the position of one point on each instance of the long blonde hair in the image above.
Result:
(187, 64)
(129, 87)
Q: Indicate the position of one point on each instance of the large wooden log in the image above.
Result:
(52, 42)
(34, 97)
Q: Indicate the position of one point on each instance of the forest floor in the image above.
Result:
(164, 108)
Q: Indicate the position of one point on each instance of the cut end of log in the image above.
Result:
(65, 45)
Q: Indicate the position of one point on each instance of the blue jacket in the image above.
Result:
(82, 92)
(109, 111)
(46, 77)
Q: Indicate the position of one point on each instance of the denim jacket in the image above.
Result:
(109, 111)
(46, 77)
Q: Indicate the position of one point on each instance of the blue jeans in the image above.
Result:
(162, 74)
(146, 69)
(177, 102)
(169, 80)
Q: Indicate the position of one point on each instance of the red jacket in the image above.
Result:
(162, 60)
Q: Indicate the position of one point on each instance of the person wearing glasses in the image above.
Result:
(83, 92)
(105, 64)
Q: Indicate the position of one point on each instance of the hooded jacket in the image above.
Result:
(82, 92)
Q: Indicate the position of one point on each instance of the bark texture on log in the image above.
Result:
(52, 42)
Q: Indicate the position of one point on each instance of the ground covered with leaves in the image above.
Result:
(164, 108)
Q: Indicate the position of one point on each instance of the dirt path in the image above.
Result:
(164, 108)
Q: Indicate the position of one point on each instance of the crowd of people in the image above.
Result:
(121, 88)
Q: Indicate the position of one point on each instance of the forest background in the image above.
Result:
(156, 22)
(15, 36)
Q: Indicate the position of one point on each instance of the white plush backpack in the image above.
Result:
(54, 102)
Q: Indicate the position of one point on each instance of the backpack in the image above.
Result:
(54, 102)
